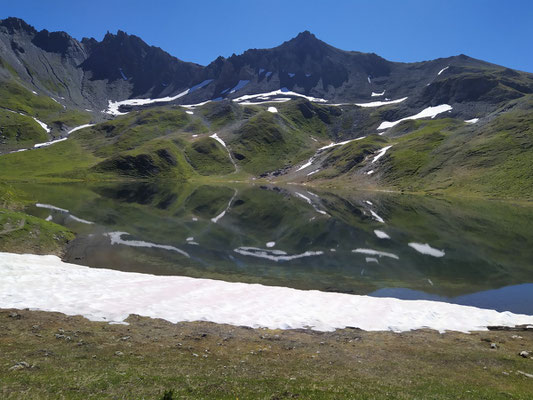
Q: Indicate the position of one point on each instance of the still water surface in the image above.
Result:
(461, 251)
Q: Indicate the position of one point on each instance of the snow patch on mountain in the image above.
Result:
(46, 144)
(371, 104)
(442, 70)
(43, 125)
(329, 146)
(218, 139)
(307, 164)
(340, 143)
(281, 92)
(114, 106)
(381, 153)
(79, 127)
(429, 112)
(380, 103)
(275, 100)
(195, 105)
(425, 248)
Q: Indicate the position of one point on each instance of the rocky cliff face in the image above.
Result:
(148, 69)
(87, 74)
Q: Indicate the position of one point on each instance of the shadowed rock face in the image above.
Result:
(474, 87)
(54, 42)
(127, 57)
(304, 64)
(13, 25)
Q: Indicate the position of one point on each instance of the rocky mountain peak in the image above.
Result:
(305, 41)
(13, 24)
(54, 42)
(305, 36)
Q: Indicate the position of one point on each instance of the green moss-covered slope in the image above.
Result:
(443, 155)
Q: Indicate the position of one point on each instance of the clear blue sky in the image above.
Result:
(399, 30)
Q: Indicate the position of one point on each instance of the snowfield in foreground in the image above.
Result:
(46, 283)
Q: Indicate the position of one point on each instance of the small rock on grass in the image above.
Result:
(20, 365)
(524, 374)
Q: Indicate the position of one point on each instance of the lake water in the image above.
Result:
(378, 244)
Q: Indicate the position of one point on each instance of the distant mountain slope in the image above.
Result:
(303, 111)
(87, 74)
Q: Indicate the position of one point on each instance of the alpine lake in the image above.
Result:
(463, 251)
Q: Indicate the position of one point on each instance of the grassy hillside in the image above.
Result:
(209, 157)
(62, 161)
(168, 142)
(270, 141)
(14, 96)
(18, 129)
(23, 233)
(264, 145)
(342, 160)
(443, 155)
(490, 158)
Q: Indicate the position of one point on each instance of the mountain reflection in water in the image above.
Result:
(381, 244)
